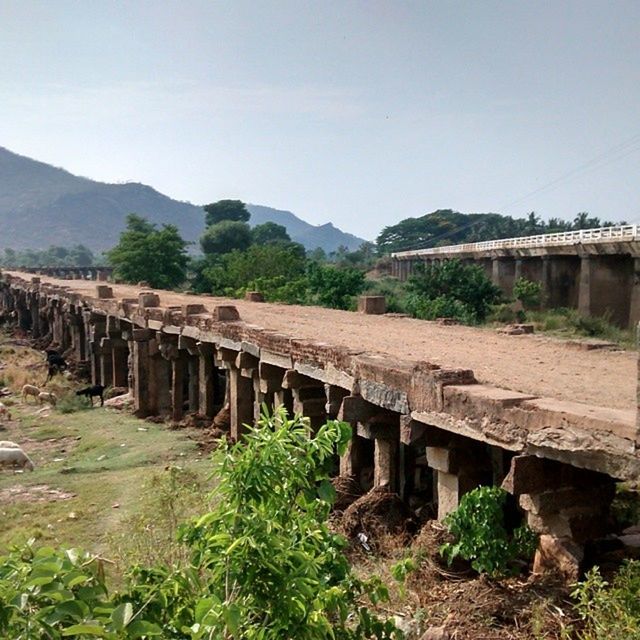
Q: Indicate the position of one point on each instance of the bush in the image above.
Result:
(452, 288)
(610, 611)
(481, 536)
(334, 287)
(71, 403)
(264, 564)
(528, 292)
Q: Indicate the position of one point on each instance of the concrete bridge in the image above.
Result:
(596, 271)
(554, 424)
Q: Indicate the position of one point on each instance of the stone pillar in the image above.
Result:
(141, 373)
(585, 283)
(159, 382)
(568, 506)
(460, 467)
(545, 280)
(206, 373)
(178, 366)
(502, 273)
(35, 317)
(120, 355)
(517, 269)
(634, 303)
(241, 401)
(106, 362)
(270, 386)
(193, 364)
(98, 332)
(309, 397)
(386, 464)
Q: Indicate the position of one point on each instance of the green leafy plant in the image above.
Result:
(451, 289)
(610, 611)
(528, 292)
(478, 526)
(276, 570)
(263, 564)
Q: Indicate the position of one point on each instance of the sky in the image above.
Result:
(361, 113)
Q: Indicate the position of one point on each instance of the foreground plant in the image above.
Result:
(481, 536)
(264, 564)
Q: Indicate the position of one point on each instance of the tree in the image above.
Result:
(453, 289)
(269, 233)
(221, 210)
(144, 252)
(224, 237)
(333, 287)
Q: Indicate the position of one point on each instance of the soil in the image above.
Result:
(530, 364)
(33, 493)
(378, 521)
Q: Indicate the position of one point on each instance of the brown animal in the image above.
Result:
(30, 390)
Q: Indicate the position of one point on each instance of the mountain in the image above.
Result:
(325, 236)
(41, 205)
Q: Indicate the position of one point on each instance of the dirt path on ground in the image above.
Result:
(531, 364)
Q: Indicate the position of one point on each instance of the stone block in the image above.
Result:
(428, 382)
(148, 299)
(372, 305)
(225, 313)
(104, 292)
(558, 556)
(35, 280)
(254, 296)
(566, 498)
(192, 309)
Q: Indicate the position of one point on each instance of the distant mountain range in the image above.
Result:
(41, 205)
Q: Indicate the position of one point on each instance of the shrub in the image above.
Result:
(610, 611)
(334, 287)
(478, 526)
(461, 290)
(264, 563)
(71, 403)
(528, 292)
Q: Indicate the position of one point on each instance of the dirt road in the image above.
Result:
(530, 364)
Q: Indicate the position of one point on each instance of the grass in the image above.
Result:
(105, 458)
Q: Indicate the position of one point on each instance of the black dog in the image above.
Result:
(92, 392)
(55, 364)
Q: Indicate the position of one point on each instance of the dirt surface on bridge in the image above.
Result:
(530, 364)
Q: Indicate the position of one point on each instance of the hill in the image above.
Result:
(42, 205)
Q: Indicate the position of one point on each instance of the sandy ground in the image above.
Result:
(531, 364)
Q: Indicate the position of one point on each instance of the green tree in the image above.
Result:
(144, 252)
(276, 569)
(451, 288)
(224, 237)
(334, 287)
(268, 268)
(269, 233)
(221, 210)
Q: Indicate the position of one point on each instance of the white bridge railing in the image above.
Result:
(583, 236)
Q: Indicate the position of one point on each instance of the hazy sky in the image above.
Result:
(360, 113)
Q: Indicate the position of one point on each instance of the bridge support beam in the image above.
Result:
(141, 374)
(584, 286)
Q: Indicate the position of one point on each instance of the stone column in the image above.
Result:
(106, 362)
(309, 397)
(98, 332)
(584, 287)
(159, 382)
(517, 269)
(460, 467)
(141, 373)
(206, 373)
(120, 355)
(634, 298)
(566, 505)
(545, 280)
(384, 429)
(193, 364)
(34, 307)
(178, 365)
(240, 400)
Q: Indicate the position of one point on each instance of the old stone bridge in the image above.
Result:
(436, 410)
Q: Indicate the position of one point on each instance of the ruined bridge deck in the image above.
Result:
(535, 395)
(532, 365)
